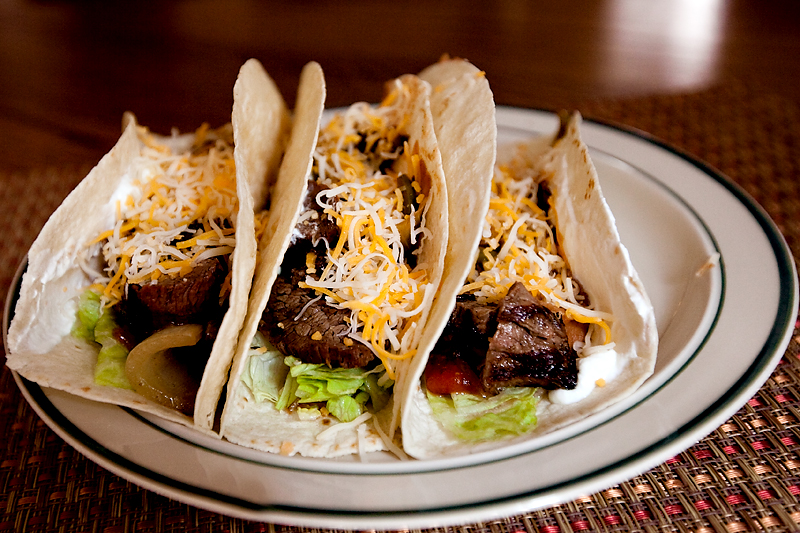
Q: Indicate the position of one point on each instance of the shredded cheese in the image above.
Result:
(180, 211)
(519, 244)
(362, 157)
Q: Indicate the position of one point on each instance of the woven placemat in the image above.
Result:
(745, 476)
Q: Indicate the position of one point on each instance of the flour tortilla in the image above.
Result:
(260, 425)
(261, 124)
(40, 346)
(600, 262)
(464, 120)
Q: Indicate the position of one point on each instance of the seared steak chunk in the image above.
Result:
(529, 348)
(517, 342)
(193, 298)
(467, 333)
(315, 335)
(317, 225)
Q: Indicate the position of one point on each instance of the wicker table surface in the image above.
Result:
(745, 476)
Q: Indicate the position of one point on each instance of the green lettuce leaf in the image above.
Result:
(345, 408)
(474, 418)
(378, 394)
(288, 393)
(96, 324)
(286, 380)
(110, 367)
(265, 373)
(87, 315)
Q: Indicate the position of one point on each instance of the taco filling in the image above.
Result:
(161, 289)
(521, 324)
(348, 304)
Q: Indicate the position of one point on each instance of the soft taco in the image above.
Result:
(551, 323)
(347, 274)
(137, 286)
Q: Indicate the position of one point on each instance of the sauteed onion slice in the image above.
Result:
(155, 373)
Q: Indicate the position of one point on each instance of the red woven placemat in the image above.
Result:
(745, 476)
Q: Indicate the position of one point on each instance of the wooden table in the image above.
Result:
(70, 69)
(719, 80)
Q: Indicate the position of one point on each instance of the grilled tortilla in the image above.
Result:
(345, 280)
(524, 283)
(94, 240)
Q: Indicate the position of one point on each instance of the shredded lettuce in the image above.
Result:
(265, 373)
(285, 380)
(475, 418)
(96, 324)
(87, 315)
(110, 366)
(345, 408)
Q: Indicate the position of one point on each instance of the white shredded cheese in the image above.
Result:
(178, 210)
(519, 244)
(359, 157)
(336, 428)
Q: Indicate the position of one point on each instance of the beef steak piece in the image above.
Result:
(529, 347)
(467, 332)
(319, 226)
(516, 342)
(295, 336)
(193, 298)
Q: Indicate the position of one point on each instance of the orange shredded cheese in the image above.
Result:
(177, 213)
(520, 244)
(367, 270)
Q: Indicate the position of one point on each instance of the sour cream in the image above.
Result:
(594, 370)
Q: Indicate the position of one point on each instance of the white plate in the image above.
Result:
(721, 334)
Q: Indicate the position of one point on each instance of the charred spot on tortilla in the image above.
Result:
(589, 188)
